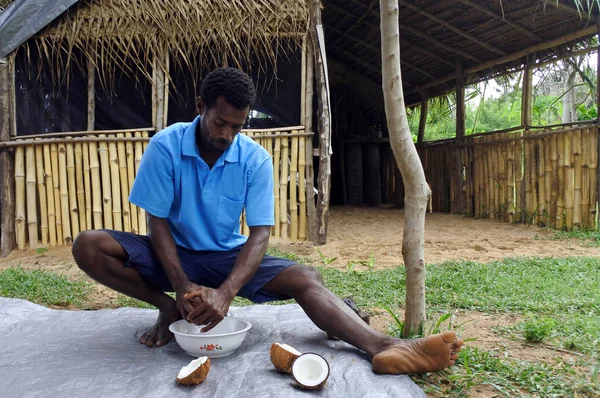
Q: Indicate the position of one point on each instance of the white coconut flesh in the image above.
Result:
(310, 370)
(289, 349)
(191, 367)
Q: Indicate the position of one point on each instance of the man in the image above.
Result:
(194, 180)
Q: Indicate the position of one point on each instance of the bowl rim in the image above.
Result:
(177, 333)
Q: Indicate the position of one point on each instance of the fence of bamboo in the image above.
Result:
(547, 178)
(66, 183)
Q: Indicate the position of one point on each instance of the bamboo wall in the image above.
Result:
(65, 185)
(545, 178)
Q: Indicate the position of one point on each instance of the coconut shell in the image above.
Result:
(282, 359)
(197, 376)
(317, 386)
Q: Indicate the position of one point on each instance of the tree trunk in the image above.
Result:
(417, 191)
(569, 111)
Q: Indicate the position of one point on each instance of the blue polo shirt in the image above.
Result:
(203, 206)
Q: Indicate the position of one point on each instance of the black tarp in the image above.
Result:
(24, 18)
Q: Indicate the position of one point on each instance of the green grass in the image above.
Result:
(588, 238)
(42, 287)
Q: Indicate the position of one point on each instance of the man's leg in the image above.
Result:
(100, 256)
(329, 313)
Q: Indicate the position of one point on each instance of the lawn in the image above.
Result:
(556, 303)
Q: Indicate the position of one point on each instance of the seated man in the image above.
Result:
(194, 180)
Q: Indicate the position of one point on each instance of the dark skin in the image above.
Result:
(103, 259)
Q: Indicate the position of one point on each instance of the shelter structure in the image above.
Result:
(91, 80)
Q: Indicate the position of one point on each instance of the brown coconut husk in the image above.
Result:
(197, 376)
(282, 359)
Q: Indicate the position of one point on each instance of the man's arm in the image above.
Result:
(215, 302)
(166, 251)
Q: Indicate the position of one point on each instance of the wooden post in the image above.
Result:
(595, 132)
(527, 92)
(308, 124)
(7, 166)
(324, 123)
(159, 90)
(423, 120)
(91, 96)
(457, 204)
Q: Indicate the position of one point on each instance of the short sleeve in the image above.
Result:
(260, 200)
(153, 188)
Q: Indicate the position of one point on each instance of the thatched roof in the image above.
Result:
(197, 33)
(435, 35)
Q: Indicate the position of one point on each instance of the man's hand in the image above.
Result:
(213, 308)
(187, 305)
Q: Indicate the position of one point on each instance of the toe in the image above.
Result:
(454, 357)
(451, 363)
(449, 337)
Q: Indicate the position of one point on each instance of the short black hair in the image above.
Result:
(235, 85)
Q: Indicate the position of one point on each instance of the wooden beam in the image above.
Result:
(308, 123)
(355, 23)
(511, 57)
(324, 124)
(460, 101)
(7, 166)
(91, 94)
(453, 28)
(502, 18)
(421, 49)
(378, 51)
(423, 120)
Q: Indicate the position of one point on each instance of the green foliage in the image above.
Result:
(538, 329)
(325, 259)
(41, 251)
(42, 287)
(587, 112)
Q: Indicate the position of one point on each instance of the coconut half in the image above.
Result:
(310, 371)
(283, 356)
(195, 372)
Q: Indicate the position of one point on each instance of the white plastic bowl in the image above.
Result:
(220, 341)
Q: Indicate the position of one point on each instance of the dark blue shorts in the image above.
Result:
(206, 268)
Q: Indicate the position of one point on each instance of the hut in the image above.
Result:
(125, 69)
(85, 84)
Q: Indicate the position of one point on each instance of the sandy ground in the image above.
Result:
(356, 234)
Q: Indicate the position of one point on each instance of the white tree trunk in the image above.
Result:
(416, 189)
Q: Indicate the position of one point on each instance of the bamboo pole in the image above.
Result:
(107, 200)
(554, 158)
(541, 184)
(476, 172)
(519, 180)
(269, 147)
(503, 184)
(529, 163)
(56, 188)
(72, 189)
(91, 94)
(133, 210)
(87, 185)
(569, 186)
(49, 195)
(310, 199)
(122, 164)
(302, 187)
(8, 217)
(139, 150)
(96, 186)
(166, 88)
(593, 166)
(585, 179)
(283, 189)
(30, 184)
(64, 194)
(510, 182)
(548, 180)
(80, 187)
(560, 203)
(145, 142)
(577, 192)
(41, 185)
(490, 176)
(115, 186)
(20, 219)
(277, 184)
(294, 190)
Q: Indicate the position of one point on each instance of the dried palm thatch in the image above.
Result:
(130, 34)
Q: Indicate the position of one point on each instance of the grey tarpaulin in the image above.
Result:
(24, 18)
(54, 353)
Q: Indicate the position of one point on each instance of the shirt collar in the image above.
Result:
(189, 148)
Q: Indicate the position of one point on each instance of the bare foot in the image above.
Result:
(159, 334)
(428, 354)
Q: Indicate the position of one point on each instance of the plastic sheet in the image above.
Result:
(45, 352)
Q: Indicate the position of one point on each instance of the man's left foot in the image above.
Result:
(159, 334)
(429, 354)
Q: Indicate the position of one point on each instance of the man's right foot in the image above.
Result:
(159, 334)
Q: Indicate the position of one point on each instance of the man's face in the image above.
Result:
(220, 124)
